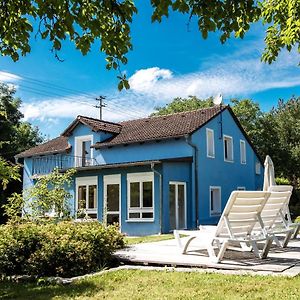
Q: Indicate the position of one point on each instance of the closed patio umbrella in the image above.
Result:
(269, 174)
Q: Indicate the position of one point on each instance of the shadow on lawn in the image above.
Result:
(32, 291)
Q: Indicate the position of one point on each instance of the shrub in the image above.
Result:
(62, 249)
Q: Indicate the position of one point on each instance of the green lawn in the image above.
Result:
(148, 238)
(136, 284)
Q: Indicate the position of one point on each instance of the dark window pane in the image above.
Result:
(81, 197)
(134, 194)
(147, 194)
(181, 206)
(211, 200)
(134, 215)
(226, 148)
(113, 197)
(93, 216)
(147, 215)
(172, 206)
(92, 196)
(112, 218)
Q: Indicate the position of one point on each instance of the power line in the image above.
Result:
(133, 112)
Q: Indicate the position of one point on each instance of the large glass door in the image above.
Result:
(177, 205)
(112, 197)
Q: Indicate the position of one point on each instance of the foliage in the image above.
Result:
(14, 207)
(63, 249)
(15, 137)
(8, 173)
(141, 284)
(282, 181)
(182, 104)
(16, 134)
(108, 21)
(49, 194)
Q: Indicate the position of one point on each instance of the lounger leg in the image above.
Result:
(221, 253)
(287, 239)
(277, 242)
(295, 233)
(255, 248)
(177, 239)
(187, 244)
(267, 247)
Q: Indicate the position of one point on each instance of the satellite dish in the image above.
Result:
(218, 99)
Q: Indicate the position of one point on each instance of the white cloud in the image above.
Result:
(232, 77)
(145, 79)
(9, 77)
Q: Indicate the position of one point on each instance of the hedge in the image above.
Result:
(63, 249)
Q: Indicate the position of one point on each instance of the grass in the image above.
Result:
(148, 239)
(137, 284)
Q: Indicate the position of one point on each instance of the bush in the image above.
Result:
(63, 249)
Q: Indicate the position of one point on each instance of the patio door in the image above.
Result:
(177, 205)
(112, 199)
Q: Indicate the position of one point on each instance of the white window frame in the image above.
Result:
(140, 178)
(215, 213)
(111, 179)
(176, 183)
(87, 181)
(243, 152)
(226, 137)
(241, 188)
(78, 148)
(209, 130)
(257, 168)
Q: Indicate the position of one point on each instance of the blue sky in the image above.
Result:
(168, 60)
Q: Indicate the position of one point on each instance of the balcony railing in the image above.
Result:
(46, 164)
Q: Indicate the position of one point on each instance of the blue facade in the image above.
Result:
(181, 162)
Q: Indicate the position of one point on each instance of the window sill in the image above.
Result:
(208, 156)
(217, 214)
(139, 221)
(229, 161)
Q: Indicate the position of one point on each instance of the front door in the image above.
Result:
(112, 196)
(177, 205)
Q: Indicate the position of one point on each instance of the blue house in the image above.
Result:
(152, 175)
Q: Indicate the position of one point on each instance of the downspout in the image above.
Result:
(160, 195)
(195, 155)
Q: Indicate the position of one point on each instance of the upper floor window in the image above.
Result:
(257, 168)
(140, 196)
(83, 151)
(210, 143)
(228, 148)
(215, 200)
(243, 151)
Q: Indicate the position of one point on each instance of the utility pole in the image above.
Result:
(100, 105)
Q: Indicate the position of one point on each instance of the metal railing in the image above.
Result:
(46, 164)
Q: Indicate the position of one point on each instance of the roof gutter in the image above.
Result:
(195, 161)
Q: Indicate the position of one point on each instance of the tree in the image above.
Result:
(15, 136)
(108, 21)
(182, 104)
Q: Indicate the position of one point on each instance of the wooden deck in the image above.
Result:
(165, 253)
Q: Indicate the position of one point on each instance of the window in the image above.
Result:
(140, 196)
(210, 143)
(243, 152)
(241, 188)
(86, 196)
(257, 168)
(215, 200)
(83, 151)
(228, 148)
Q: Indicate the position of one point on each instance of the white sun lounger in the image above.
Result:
(273, 217)
(235, 226)
(286, 218)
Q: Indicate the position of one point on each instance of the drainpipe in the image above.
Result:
(160, 195)
(195, 155)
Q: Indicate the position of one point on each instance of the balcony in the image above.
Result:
(46, 164)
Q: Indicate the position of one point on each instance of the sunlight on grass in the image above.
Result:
(136, 284)
(148, 238)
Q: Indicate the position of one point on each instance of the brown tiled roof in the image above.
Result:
(161, 127)
(94, 124)
(57, 145)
